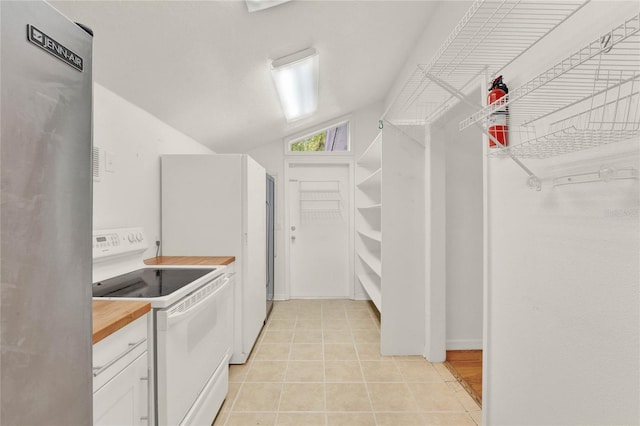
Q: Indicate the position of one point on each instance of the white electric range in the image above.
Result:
(192, 314)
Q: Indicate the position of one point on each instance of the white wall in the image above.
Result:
(130, 195)
(563, 285)
(563, 296)
(461, 195)
(562, 293)
(364, 128)
(444, 18)
(454, 235)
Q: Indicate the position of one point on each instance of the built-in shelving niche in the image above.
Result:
(386, 271)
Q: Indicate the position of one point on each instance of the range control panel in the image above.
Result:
(114, 242)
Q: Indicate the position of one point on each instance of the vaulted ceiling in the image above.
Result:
(203, 66)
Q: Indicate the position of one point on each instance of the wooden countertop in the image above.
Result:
(190, 260)
(110, 316)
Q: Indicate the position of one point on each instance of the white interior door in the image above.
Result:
(319, 229)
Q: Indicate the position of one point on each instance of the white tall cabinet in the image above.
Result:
(390, 224)
(214, 205)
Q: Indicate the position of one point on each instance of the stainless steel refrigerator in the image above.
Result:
(271, 243)
(45, 217)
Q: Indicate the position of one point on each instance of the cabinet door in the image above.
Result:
(123, 400)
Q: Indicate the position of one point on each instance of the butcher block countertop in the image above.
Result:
(190, 260)
(110, 316)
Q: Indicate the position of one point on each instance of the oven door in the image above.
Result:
(193, 336)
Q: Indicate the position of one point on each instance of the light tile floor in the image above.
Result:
(318, 362)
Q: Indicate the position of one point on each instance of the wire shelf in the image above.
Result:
(321, 216)
(599, 106)
(604, 64)
(603, 175)
(470, 51)
(320, 202)
(320, 196)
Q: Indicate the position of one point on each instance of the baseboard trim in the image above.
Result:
(460, 345)
(276, 297)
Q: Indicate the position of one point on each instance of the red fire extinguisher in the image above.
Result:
(497, 121)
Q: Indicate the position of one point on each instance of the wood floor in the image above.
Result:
(466, 366)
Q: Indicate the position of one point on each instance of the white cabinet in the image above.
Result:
(390, 220)
(120, 401)
(214, 205)
(121, 377)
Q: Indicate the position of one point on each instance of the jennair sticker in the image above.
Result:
(58, 50)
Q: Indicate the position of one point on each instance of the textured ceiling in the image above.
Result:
(203, 66)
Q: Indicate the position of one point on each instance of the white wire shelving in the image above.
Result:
(321, 216)
(602, 175)
(320, 195)
(320, 202)
(491, 35)
(590, 98)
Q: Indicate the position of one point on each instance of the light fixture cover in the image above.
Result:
(255, 5)
(296, 80)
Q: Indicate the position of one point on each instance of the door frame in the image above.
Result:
(288, 162)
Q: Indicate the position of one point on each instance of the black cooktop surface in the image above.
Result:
(147, 283)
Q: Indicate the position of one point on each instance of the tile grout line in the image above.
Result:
(244, 379)
(324, 366)
(286, 369)
(364, 379)
(249, 364)
(324, 312)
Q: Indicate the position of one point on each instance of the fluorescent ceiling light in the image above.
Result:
(296, 79)
(255, 5)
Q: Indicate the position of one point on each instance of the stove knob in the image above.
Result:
(139, 236)
(131, 238)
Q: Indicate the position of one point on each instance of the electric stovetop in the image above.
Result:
(148, 282)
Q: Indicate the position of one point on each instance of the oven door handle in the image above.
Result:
(172, 318)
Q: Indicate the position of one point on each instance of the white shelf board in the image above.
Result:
(372, 289)
(371, 262)
(373, 180)
(371, 207)
(372, 235)
(372, 156)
